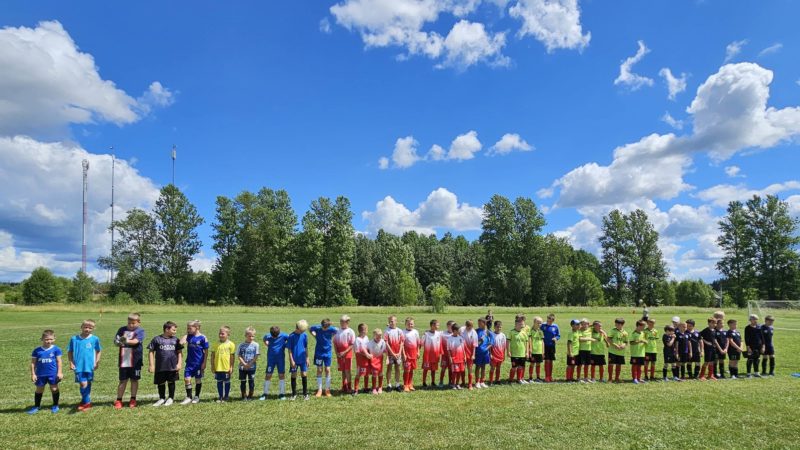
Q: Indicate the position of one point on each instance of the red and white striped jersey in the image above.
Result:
(499, 347)
(344, 338)
(470, 339)
(457, 349)
(411, 343)
(432, 343)
(376, 349)
(394, 337)
(361, 345)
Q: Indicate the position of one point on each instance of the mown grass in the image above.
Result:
(753, 413)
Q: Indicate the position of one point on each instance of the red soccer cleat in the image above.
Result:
(117, 404)
(132, 403)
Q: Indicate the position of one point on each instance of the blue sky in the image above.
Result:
(309, 96)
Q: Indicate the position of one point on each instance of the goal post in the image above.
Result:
(786, 312)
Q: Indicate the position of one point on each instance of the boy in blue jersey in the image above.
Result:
(275, 342)
(84, 353)
(129, 340)
(46, 369)
(482, 357)
(323, 333)
(196, 346)
(551, 337)
(298, 357)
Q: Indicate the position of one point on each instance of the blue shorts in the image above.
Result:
(280, 363)
(222, 376)
(192, 372)
(81, 377)
(322, 360)
(302, 366)
(52, 380)
(482, 358)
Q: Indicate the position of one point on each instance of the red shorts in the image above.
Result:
(376, 365)
(362, 362)
(470, 361)
(445, 361)
(410, 364)
(362, 371)
(457, 367)
(497, 362)
(430, 365)
(345, 364)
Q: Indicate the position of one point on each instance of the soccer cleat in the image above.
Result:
(187, 401)
(319, 393)
(55, 409)
(132, 403)
(406, 389)
(160, 402)
(282, 397)
(169, 402)
(374, 392)
(262, 398)
(84, 407)
(196, 400)
(635, 381)
(380, 390)
(33, 410)
(118, 404)
(757, 375)
(411, 387)
(306, 397)
(327, 392)
(441, 385)
(734, 377)
(294, 397)
(702, 378)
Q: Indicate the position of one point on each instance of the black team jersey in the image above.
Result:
(682, 343)
(722, 338)
(736, 337)
(694, 341)
(753, 337)
(766, 334)
(709, 337)
(670, 348)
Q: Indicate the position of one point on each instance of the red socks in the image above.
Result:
(593, 371)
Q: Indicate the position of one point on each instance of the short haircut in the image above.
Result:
(193, 323)
(274, 330)
(640, 323)
(250, 330)
(537, 319)
(392, 317)
(134, 316)
(619, 320)
(468, 323)
(225, 328)
(325, 323)
(88, 322)
(434, 322)
(649, 320)
(689, 321)
(450, 322)
(769, 317)
(498, 323)
(409, 319)
(48, 333)
(344, 318)
(596, 322)
(731, 321)
(712, 320)
(753, 316)
(301, 325)
(454, 327)
(669, 328)
(377, 331)
(169, 324)
(362, 327)
(551, 316)
(481, 320)
(585, 320)
(719, 314)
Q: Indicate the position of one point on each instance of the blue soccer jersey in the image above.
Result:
(276, 346)
(83, 351)
(195, 350)
(324, 338)
(46, 361)
(298, 345)
(550, 332)
(485, 341)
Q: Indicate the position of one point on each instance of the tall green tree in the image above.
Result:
(226, 232)
(137, 245)
(40, 287)
(737, 242)
(643, 257)
(395, 269)
(177, 222)
(694, 293)
(775, 240)
(614, 242)
(498, 242)
(81, 288)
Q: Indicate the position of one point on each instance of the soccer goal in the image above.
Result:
(786, 312)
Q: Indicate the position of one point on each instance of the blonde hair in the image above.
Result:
(301, 325)
(409, 319)
(250, 330)
(537, 319)
(377, 332)
(193, 323)
(134, 316)
(344, 318)
(88, 322)
(225, 328)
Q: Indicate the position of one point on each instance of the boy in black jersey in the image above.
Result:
(683, 348)
(769, 349)
(721, 346)
(693, 368)
(710, 353)
(734, 349)
(670, 352)
(754, 341)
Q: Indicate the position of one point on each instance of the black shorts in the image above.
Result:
(669, 358)
(769, 351)
(695, 358)
(247, 374)
(616, 359)
(754, 355)
(130, 373)
(709, 357)
(517, 362)
(734, 356)
(550, 353)
(536, 358)
(637, 360)
(720, 356)
(598, 360)
(585, 357)
(651, 357)
(572, 360)
(683, 358)
(165, 377)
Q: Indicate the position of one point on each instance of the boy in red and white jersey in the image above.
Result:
(498, 352)
(343, 342)
(394, 338)
(411, 345)
(363, 358)
(470, 342)
(377, 347)
(457, 352)
(446, 353)
(432, 345)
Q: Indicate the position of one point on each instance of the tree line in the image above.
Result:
(267, 257)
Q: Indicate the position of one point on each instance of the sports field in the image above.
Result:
(763, 413)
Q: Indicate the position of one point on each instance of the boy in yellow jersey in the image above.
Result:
(599, 345)
(519, 350)
(637, 343)
(573, 347)
(584, 351)
(650, 350)
(223, 354)
(617, 343)
(536, 342)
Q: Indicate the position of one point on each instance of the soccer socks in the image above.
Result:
(616, 372)
(305, 385)
(664, 372)
(197, 388)
(530, 371)
(696, 370)
(328, 382)
(569, 372)
(683, 371)
(294, 386)
(162, 391)
(86, 393)
(243, 387)
(675, 372)
(319, 383)
(266, 388)
(188, 390)
(56, 395)
(538, 371)
(171, 389)
(602, 368)
(772, 366)
(37, 399)
(282, 387)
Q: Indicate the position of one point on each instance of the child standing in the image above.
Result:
(222, 358)
(46, 368)
(376, 348)
(445, 362)
(684, 349)
(196, 346)
(363, 358)
(734, 348)
(432, 348)
(694, 353)
(394, 346)
(498, 352)
(599, 345)
(584, 350)
(457, 350)
(721, 347)
(670, 353)
(520, 350)
(323, 333)
(84, 353)
(275, 343)
(248, 354)
(551, 337)
(637, 342)
(754, 340)
(298, 357)
(129, 340)
(573, 348)
(166, 360)
(482, 357)
(709, 339)
(617, 343)
(650, 350)
(767, 331)
(536, 338)
(489, 319)
(470, 343)
(411, 344)
(343, 342)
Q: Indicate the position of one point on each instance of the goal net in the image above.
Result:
(785, 312)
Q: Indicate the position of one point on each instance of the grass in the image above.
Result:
(762, 413)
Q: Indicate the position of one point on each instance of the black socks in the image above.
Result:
(37, 399)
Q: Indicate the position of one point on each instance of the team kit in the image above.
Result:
(460, 353)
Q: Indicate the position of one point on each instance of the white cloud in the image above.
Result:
(325, 25)
(441, 210)
(202, 263)
(774, 48)
(733, 49)
(794, 205)
(155, 96)
(47, 83)
(674, 85)
(405, 152)
(464, 146)
(583, 235)
(554, 23)
(383, 163)
(629, 79)
(468, 43)
(722, 194)
(436, 153)
(671, 121)
(733, 171)
(508, 143)
(405, 155)
(16, 265)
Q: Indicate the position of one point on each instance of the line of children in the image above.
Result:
(166, 359)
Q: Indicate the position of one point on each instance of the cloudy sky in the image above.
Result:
(417, 110)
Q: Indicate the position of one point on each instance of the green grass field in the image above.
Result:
(751, 413)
